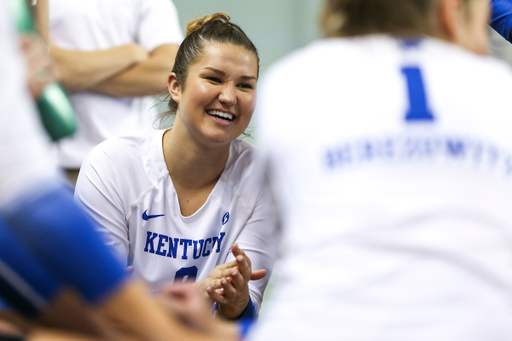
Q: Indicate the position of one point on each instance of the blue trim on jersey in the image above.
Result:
(418, 110)
(245, 327)
(250, 313)
(501, 18)
(62, 237)
(24, 282)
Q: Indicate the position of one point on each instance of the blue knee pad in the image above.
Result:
(501, 20)
(25, 284)
(59, 234)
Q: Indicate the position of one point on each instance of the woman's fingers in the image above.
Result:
(237, 279)
(258, 274)
(225, 266)
(244, 267)
(230, 292)
(215, 296)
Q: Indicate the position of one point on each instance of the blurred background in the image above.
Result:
(275, 27)
(279, 27)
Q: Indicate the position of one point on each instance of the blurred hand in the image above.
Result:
(40, 70)
(188, 304)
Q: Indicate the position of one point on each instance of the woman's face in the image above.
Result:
(219, 96)
(473, 29)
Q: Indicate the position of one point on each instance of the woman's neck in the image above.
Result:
(190, 164)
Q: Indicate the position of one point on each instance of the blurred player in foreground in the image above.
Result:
(188, 202)
(392, 159)
(54, 269)
(501, 17)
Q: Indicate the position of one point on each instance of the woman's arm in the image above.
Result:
(149, 77)
(255, 252)
(97, 192)
(81, 70)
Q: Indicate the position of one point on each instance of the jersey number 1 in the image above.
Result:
(418, 110)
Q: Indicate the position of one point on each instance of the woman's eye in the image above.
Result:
(245, 86)
(214, 79)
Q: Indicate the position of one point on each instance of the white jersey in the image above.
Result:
(24, 145)
(125, 186)
(393, 163)
(97, 25)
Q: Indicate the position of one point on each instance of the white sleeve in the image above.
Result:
(259, 239)
(24, 147)
(96, 192)
(159, 24)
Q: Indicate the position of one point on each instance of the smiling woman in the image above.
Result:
(188, 202)
(218, 97)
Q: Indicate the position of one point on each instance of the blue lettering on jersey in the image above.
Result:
(411, 42)
(207, 252)
(172, 247)
(219, 241)
(404, 148)
(225, 219)
(455, 148)
(149, 242)
(162, 238)
(146, 217)
(418, 110)
(196, 253)
(185, 243)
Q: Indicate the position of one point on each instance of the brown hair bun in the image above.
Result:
(195, 25)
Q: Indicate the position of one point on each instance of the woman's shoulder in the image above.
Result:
(122, 165)
(126, 153)
(245, 164)
(124, 147)
(242, 153)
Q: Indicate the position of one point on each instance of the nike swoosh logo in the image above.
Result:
(145, 215)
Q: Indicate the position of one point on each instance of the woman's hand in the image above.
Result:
(214, 279)
(232, 295)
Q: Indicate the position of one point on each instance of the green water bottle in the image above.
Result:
(55, 109)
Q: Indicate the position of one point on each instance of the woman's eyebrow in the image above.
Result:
(224, 73)
(216, 70)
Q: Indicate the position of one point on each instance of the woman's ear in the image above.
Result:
(449, 19)
(173, 87)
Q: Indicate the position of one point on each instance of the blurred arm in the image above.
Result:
(80, 70)
(145, 78)
(41, 18)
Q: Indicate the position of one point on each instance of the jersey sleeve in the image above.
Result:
(501, 19)
(97, 192)
(258, 239)
(159, 24)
